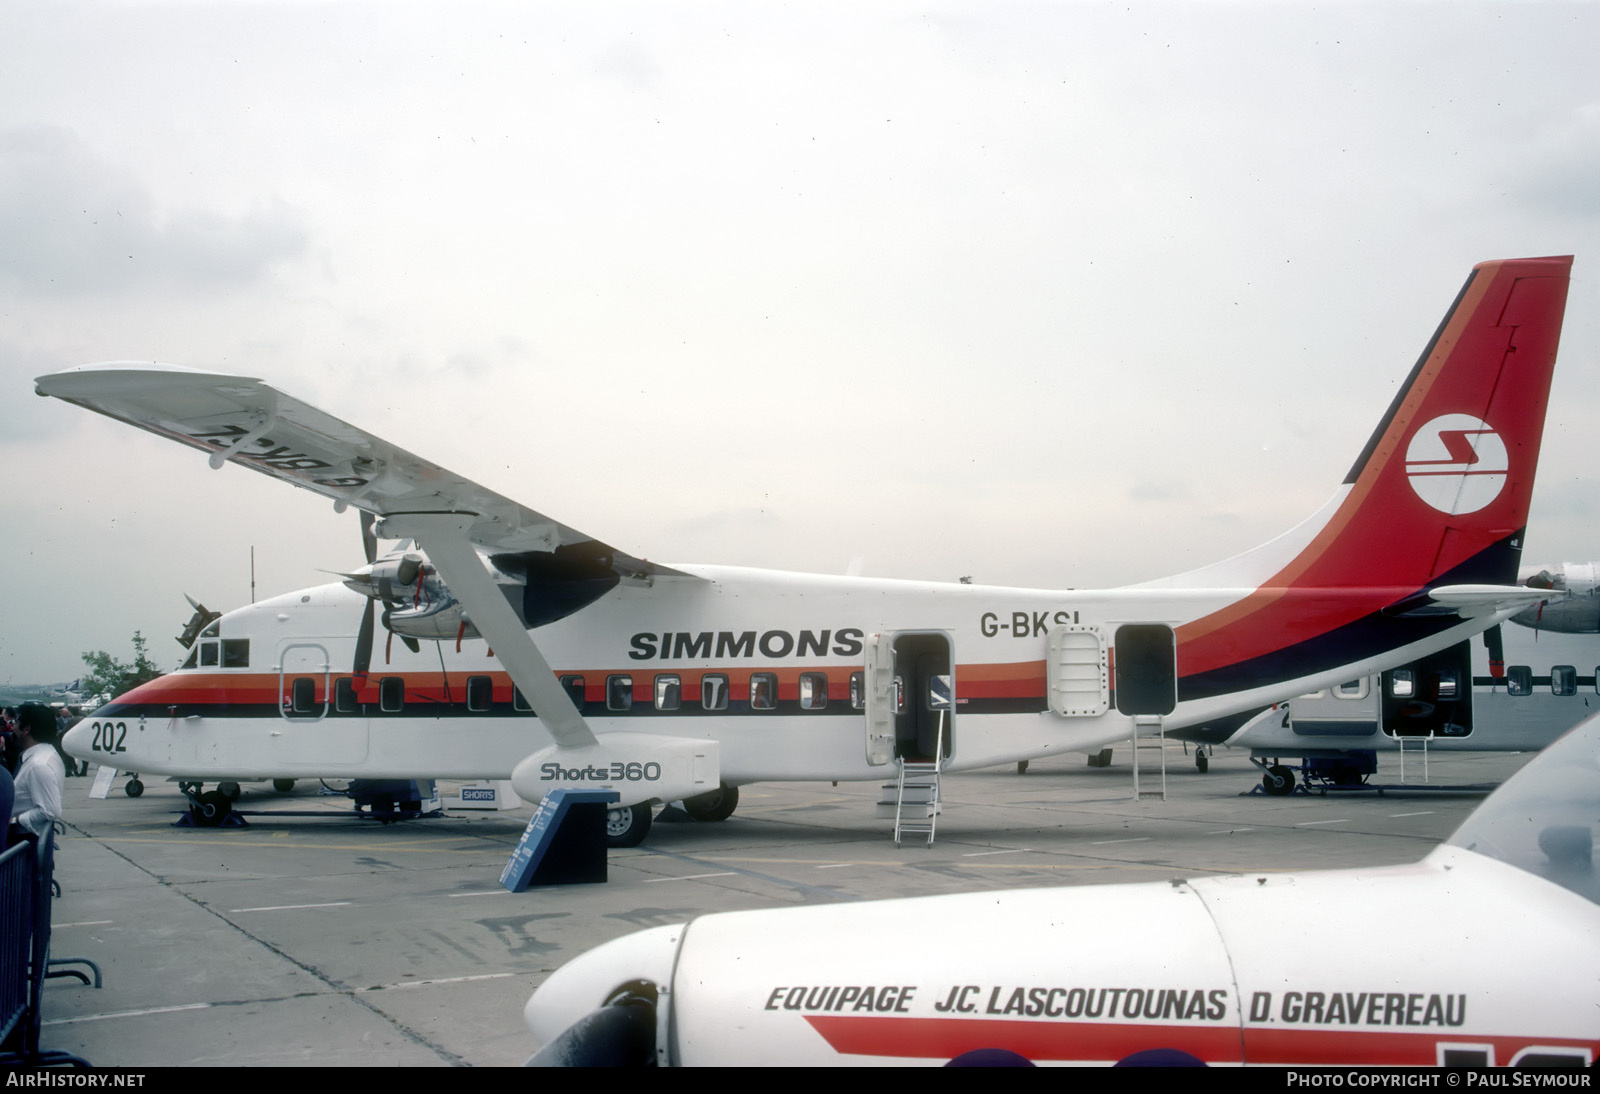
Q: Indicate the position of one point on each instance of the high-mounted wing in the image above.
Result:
(241, 419)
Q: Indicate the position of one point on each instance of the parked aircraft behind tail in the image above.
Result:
(1574, 604)
(1486, 953)
(1515, 688)
(668, 682)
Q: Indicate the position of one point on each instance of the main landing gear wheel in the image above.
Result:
(1278, 781)
(627, 825)
(134, 788)
(230, 789)
(1201, 763)
(715, 805)
(283, 786)
(211, 809)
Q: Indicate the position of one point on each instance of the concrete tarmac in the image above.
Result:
(335, 941)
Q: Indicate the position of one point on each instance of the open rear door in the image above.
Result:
(882, 699)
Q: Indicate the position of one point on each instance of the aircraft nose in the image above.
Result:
(79, 740)
(576, 989)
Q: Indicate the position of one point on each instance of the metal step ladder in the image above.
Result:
(1414, 746)
(916, 806)
(917, 800)
(1148, 738)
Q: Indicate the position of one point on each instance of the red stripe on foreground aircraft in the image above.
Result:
(711, 677)
(1484, 954)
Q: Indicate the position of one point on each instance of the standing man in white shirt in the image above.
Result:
(40, 776)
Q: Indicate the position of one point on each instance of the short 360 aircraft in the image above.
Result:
(683, 682)
(1484, 954)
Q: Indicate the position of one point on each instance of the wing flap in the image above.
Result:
(241, 420)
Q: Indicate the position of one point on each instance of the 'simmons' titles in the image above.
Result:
(722, 645)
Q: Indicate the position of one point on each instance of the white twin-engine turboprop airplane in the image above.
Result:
(683, 682)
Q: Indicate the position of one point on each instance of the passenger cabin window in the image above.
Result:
(303, 695)
(1519, 680)
(1563, 680)
(344, 695)
(858, 691)
(480, 693)
(619, 693)
(236, 653)
(669, 691)
(763, 691)
(1403, 684)
(1447, 683)
(391, 694)
(713, 691)
(1353, 689)
(520, 701)
(813, 691)
(574, 686)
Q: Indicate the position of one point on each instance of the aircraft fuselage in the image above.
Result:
(768, 665)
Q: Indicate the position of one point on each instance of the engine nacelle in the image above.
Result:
(417, 603)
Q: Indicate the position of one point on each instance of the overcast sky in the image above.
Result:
(1057, 294)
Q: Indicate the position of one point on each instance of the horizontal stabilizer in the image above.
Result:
(1470, 601)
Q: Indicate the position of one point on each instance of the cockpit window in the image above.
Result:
(1546, 817)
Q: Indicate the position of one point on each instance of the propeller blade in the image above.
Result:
(364, 641)
(369, 537)
(622, 1035)
(411, 643)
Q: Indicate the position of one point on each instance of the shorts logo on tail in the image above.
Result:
(1457, 463)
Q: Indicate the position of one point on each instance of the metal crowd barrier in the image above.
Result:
(26, 870)
(16, 937)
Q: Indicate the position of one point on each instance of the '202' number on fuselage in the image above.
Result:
(109, 737)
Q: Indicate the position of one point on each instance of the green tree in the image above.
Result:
(111, 677)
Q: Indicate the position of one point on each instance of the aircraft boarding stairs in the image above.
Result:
(916, 795)
(1149, 743)
(1413, 745)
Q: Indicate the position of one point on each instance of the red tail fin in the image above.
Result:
(1440, 493)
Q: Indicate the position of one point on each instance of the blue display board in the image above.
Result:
(564, 843)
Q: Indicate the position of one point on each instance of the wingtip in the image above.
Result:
(112, 377)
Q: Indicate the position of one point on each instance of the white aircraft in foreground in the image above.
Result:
(683, 682)
(1484, 954)
(1515, 689)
